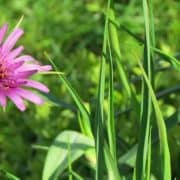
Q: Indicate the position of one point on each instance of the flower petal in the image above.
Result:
(11, 40)
(17, 100)
(29, 96)
(37, 85)
(39, 68)
(24, 58)
(25, 74)
(14, 66)
(15, 53)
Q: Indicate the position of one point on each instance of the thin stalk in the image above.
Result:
(142, 160)
(165, 159)
(111, 121)
(114, 39)
(99, 118)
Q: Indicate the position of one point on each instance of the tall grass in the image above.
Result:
(102, 128)
(142, 160)
(99, 116)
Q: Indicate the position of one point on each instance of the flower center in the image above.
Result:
(6, 81)
(3, 72)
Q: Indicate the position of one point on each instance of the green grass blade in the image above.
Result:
(148, 167)
(110, 152)
(111, 121)
(152, 30)
(129, 157)
(76, 175)
(174, 61)
(99, 117)
(164, 148)
(114, 39)
(113, 173)
(7, 175)
(142, 161)
(86, 117)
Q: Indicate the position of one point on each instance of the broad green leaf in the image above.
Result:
(58, 153)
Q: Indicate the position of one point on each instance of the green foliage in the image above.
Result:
(89, 102)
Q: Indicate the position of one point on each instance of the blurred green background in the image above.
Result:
(71, 31)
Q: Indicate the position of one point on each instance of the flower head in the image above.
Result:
(15, 70)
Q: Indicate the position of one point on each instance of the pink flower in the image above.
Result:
(15, 70)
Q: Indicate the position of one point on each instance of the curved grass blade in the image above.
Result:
(7, 175)
(85, 115)
(76, 175)
(114, 39)
(172, 60)
(164, 148)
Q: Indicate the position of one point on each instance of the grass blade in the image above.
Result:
(99, 117)
(129, 157)
(86, 117)
(7, 175)
(113, 173)
(142, 160)
(111, 120)
(110, 151)
(114, 39)
(164, 148)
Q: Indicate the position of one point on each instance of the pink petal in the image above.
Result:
(15, 53)
(29, 96)
(44, 68)
(2, 99)
(11, 40)
(15, 65)
(39, 68)
(25, 74)
(37, 85)
(3, 31)
(24, 58)
(17, 100)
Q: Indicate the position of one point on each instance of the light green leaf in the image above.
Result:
(57, 157)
